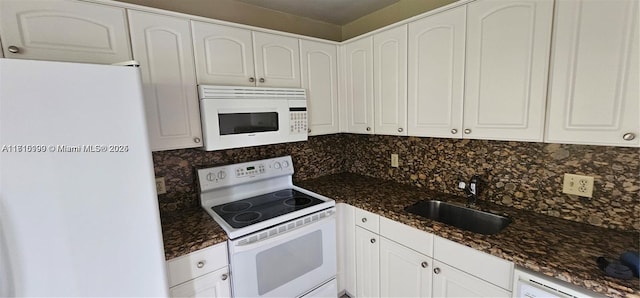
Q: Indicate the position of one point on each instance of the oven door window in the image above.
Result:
(241, 123)
(288, 261)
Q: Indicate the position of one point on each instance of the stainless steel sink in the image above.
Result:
(461, 217)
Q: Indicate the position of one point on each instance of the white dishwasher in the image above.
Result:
(528, 284)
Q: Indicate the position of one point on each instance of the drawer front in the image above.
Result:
(367, 220)
(482, 265)
(410, 237)
(197, 263)
(214, 284)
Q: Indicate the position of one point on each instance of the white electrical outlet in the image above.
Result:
(160, 187)
(578, 185)
(394, 160)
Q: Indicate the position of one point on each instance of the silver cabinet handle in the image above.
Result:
(467, 131)
(262, 80)
(225, 276)
(400, 129)
(436, 270)
(373, 240)
(196, 140)
(424, 265)
(629, 136)
(252, 79)
(368, 128)
(364, 219)
(454, 131)
(200, 264)
(13, 49)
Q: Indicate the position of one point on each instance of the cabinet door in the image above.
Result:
(403, 272)
(367, 263)
(223, 54)
(62, 30)
(594, 85)
(319, 74)
(390, 81)
(358, 59)
(277, 60)
(162, 45)
(436, 74)
(451, 282)
(214, 284)
(507, 58)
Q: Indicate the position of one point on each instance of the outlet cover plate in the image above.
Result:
(160, 187)
(578, 185)
(394, 160)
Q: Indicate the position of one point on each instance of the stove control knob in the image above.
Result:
(285, 164)
(277, 165)
(222, 175)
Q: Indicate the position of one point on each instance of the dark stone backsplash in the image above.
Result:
(517, 174)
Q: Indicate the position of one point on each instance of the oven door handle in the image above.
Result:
(316, 225)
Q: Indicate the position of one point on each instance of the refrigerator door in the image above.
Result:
(78, 207)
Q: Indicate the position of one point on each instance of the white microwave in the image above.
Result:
(236, 116)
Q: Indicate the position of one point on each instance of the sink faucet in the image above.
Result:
(472, 190)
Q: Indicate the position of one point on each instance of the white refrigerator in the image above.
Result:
(78, 208)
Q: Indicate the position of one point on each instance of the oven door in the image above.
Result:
(231, 123)
(288, 264)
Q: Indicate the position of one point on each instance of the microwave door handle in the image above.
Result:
(279, 237)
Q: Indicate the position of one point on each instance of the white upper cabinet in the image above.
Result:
(233, 56)
(436, 74)
(162, 45)
(358, 93)
(277, 60)
(594, 85)
(62, 30)
(507, 58)
(390, 81)
(223, 54)
(319, 74)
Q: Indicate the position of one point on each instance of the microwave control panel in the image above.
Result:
(298, 122)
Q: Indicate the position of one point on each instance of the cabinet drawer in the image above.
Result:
(197, 263)
(410, 237)
(214, 284)
(485, 266)
(367, 220)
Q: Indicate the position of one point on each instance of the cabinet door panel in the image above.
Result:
(390, 81)
(402, 273)
(277, 60)
(594, 87)
(224, 55)
(162, 46)
(359, 86)
(507, 64)
(319, 73)
(367, 263)
(436, 74)
(214, 284)
(450, 282)
(62, 30)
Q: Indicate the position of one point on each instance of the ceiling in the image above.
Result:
(339, 12)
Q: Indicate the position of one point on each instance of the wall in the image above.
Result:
(401, 10)
(517, 174)
(243, 13)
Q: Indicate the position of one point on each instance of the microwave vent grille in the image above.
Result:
(229, 92)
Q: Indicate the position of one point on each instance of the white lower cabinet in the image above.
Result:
(203, 273)
(451, 282)
(367, 263)
(403, 272)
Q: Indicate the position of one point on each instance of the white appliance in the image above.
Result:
(235, 116)
(282, 237)
(528, 284)
(78, 206)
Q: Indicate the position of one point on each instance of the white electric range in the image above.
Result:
(282, 237)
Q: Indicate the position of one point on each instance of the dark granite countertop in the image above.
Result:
(555, 247)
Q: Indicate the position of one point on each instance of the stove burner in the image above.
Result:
(236, 207)
(285, 193)
(247, 216)
(297, 202)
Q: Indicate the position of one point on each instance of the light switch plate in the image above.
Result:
(160, 187)
(394, 160)
(578, 185)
